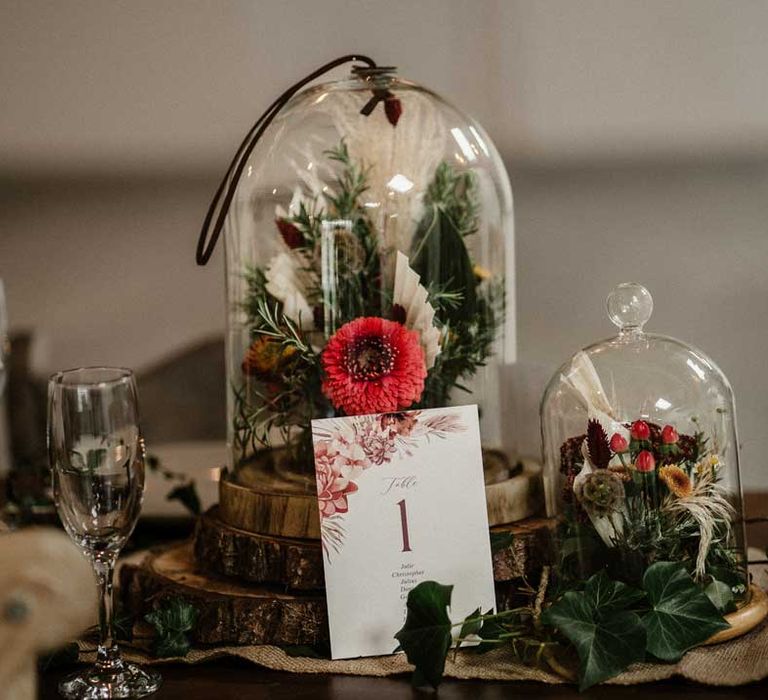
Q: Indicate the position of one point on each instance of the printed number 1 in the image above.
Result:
(404, 525)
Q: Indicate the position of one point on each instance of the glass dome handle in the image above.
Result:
(629, 305)
(219, 207)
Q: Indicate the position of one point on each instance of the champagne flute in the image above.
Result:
(97, 458)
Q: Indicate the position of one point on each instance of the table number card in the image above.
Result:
(401, 501)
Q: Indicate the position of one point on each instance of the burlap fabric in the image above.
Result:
(737, 662)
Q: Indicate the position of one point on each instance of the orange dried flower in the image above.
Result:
(267, 358)
(676, 480)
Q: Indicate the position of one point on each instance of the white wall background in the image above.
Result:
(636, 134)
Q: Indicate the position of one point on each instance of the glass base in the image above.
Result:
(118, 680)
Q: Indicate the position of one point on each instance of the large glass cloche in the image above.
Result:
(641, 457)
(368, 266)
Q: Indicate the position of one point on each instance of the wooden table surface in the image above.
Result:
(238, 680)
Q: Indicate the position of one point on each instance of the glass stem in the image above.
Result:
(104, 567)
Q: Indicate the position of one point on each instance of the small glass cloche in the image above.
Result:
(641, 457)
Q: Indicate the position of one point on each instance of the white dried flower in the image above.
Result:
(284, 282)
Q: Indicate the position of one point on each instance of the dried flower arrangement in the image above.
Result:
(648, 564)
(343, 322)
(653, 497)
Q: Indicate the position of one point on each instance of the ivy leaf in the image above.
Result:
(608, 596)
(472, 625)
(681, 615)
(606, 645)
(426, 635)
(721, 596)
(320, 651)
(186, 494)
(172, 620)
(490, 630)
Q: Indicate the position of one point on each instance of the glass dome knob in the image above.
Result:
(630, 305)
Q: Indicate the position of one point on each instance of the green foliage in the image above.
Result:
(612, 625)
(319, 651)
(467, 344)
(185, 490)
(186, 494)
(681, 614)
(609, 624)
(173, 620)
(607, 640)
(472, 624)
(721, 596)
(426, 635)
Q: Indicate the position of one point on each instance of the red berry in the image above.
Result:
(669, 435)
(645, 462)
(619, 443)
(640, 430)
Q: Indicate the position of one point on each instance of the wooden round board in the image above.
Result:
(271, 508)
(226, 550)
(229, 612)
(516, 498)
(259, 501)
(522, 548)
(234, 613)
(744, 619)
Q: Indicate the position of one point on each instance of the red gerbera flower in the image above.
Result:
(373, 365)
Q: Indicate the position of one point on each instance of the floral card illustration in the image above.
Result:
(402, 501)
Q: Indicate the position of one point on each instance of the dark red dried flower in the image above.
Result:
(597, 444)
(393, 108)
(291, 235)
(398, 313)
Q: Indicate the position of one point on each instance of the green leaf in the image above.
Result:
(681, 616)
(605, 645)
(186, 494)
(608, 596)
(472, 624)
(426, 635)
(721, 596)
(490, 630)
(321, 651)
(172, 619)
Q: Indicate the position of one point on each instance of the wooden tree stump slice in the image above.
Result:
(516, 498)
(529, 548)
(229, 612)
(222, 549)
(298, 564)
(269, 506)
(261, 501)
